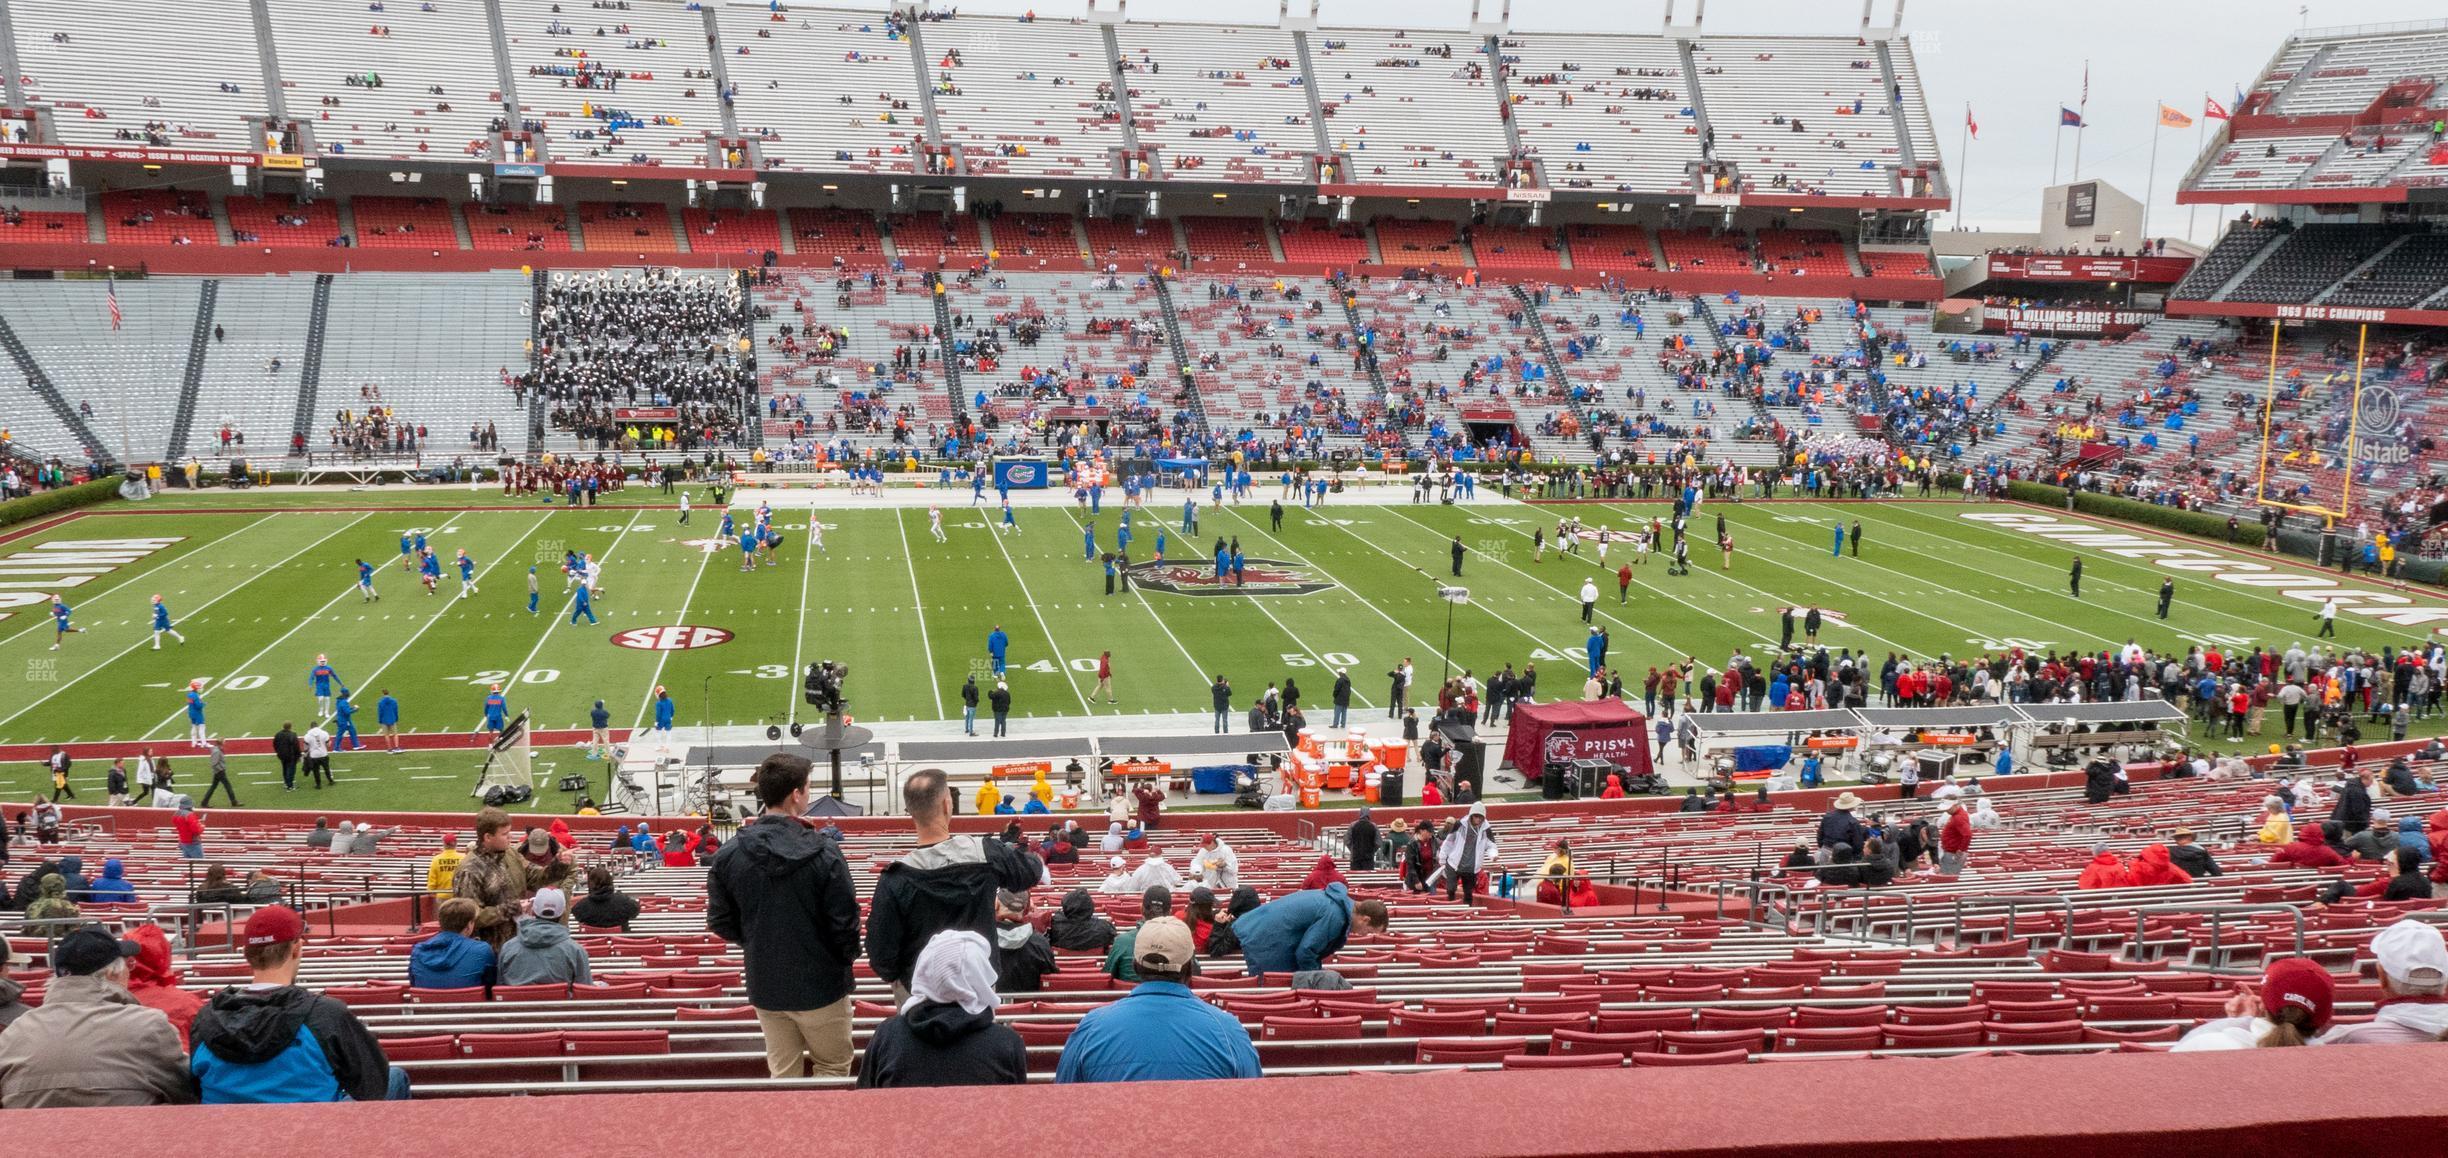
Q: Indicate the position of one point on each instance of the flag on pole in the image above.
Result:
(2068, 118)
(2213, 110)
(2086, 93)
(2171, 119)
(1971, 126)
(110, 297)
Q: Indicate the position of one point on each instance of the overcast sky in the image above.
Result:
(2014, 62)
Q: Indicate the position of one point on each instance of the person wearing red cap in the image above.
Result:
(2292, 1007)
(273, 1042)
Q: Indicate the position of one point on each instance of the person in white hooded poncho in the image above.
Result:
(1217, 865)
(946, 1034)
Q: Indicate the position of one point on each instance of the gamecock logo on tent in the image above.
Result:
(1261, 577)
(1563, 744)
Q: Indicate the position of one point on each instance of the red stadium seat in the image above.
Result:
(1562, 1061)
(1528, 1023)
(1831, 1038)
(716, 1013)
(1629, 1020)
(544, 1043)
(1929, 1036)
(1464, 1050)
(2094, 1035)
(2130, 1008)
(469, 995)
(1044, 1032)
(553, 992)
(431, 1047)
(2031, 1012)
(1298, 1028)
(1723, 1057)
(2008, 1035)
(1972, 1014)
(1579, 1041)
(1695, 1041)
(1831, 1016)
(1773, 1017)
(610, 1042)
(1423, 1023)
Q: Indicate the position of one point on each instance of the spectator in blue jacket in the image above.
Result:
(1159, 1031)
(451, 959)
(272, 1042)
(1296, 933)
(113, 888)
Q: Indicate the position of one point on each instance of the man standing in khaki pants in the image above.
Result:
(782, 893)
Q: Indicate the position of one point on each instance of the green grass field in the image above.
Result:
(262, 583)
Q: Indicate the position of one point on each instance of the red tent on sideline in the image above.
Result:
(1610, 730)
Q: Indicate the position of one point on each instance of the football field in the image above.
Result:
(262, 584)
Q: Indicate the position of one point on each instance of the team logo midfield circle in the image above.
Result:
(1263, 577)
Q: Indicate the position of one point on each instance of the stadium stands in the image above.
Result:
(404, 223)
(282, 223)
(1811, 116)
(1037, 101)
(109, 81)
(1410, 109)
(379, 350)
(1218, 102)
(627, 227)
(653, 339)
(1603, 112)
(2338, 114)
(859, 112)
(524, 228)
(626, 86)
(847, 236)
(409, 83)
(254, 367)
(2310, 261)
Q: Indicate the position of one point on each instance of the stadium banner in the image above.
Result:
(1531, 195)
(646, 414)
(2373, 315)
(507, 169)
(1021, 474)
(2148, 270)
(1024, 770)
(286, 162)
(145, 156)
(1609, 730)
(1142, 769)
(1717, 200)
(2066, 321)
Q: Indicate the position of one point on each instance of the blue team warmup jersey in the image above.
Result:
(59, 611)
(161, 617)
(407, 545)
(195, 707)
(467, 569)
(322, 677)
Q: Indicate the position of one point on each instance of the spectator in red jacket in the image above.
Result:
(2152, 867)
(679, 853)
(2105, 871)
(1322, 874)
(153, 983)
(1955, 839)
(2308, 850)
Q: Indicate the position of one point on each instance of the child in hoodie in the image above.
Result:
(451, 959)
(113, 888)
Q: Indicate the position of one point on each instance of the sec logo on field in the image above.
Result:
(677, 638)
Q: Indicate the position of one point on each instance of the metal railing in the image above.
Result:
(2217, 915)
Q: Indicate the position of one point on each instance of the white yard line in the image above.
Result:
(39, 622)
(1577, 652)
(558, 618)
(146, 640)
(1298, 558)
(1196, 671)
(917, 603)
(1725, 577)
(646, 700)
(452, 601)
(1061, 665)
(1973, 633)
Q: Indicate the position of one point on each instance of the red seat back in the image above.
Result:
(1850, 1037)
(1539, 1022)
(1629, 1020)
(1585, 1041)
(1722, 1057)
(1422, 1023)
(1563, 1061)
(430, 1047)
(1773, 1017)
(550, 992)
(542, 1043)
(2010, 1034)
(469, 995)
(1958, 1036)
(1828, 1016)
(1710, 1041)
(1300, 1028)
(608, 1042)
(1463, 1050)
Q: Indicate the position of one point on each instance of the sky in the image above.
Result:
(2014, 63)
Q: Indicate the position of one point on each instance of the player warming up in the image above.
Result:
(429, 568)
(59, 622)
(496, 712)
(365, 583)
(321, 678)
(935, 524)
(161, 624)
(195, 714)
(467, 574)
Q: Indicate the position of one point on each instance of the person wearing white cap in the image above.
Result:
(2413, 989)
(542, 952)
(945, 1034)
(1216, 864)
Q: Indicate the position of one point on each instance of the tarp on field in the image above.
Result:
(1609, 730)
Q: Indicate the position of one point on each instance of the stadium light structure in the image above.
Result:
(1453, 597)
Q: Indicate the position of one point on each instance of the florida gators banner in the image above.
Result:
(2171, 119)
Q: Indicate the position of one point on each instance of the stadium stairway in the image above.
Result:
(1895, 108)
(199, 343)
(48, 391)
(310, 364)
(1708, 317)
(1182, 373)
(945, 352)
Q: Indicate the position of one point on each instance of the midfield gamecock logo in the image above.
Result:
(1261, 577)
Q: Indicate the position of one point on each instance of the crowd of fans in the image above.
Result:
(611, 341)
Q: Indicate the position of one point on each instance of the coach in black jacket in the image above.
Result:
(947, 882)
(781, 892)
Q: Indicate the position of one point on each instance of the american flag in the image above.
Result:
(110, 298)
